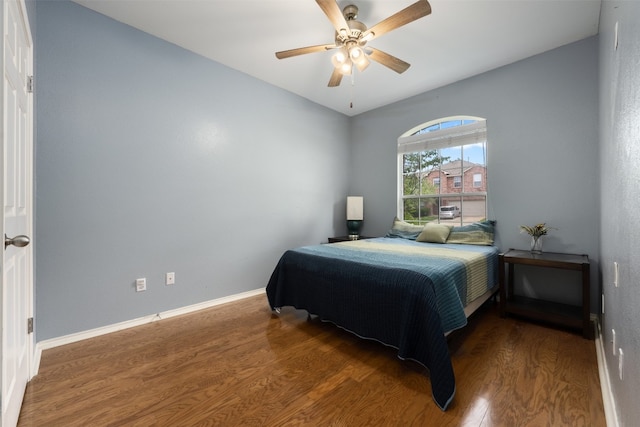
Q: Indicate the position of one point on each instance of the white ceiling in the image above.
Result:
(461, 38)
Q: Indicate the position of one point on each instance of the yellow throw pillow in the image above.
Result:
(434, 233)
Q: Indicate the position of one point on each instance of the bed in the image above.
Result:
(402, 290)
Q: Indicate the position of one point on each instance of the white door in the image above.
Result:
(17, 273)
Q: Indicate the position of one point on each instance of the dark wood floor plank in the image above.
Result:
(242, 365)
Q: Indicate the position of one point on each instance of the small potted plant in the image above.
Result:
(536, 232)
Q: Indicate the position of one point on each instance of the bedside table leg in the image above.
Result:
(586, 298)
(501, 282)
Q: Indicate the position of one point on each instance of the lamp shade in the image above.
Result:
(355, 208)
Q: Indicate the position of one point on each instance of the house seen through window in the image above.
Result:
(442, 168)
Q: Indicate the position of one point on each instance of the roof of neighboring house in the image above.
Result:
(453, 168)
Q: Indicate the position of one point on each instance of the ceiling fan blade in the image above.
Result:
(333, 12)
(304, 50)
(409, 14)
(336, 78)
(389, 61)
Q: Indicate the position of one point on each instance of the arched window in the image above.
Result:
(442, 171)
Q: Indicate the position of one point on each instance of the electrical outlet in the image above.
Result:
(141, 284)
(613, 341)
(170, 278)
(620, 362)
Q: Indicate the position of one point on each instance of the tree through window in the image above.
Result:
(443, 172)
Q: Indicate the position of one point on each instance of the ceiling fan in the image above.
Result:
(351, 37)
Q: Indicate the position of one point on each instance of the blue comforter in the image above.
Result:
(403, 293)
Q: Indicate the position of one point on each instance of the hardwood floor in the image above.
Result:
(239, 364)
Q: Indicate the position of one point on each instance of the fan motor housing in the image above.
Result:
(356, 28)
(350, 12)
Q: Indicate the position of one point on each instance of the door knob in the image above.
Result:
(19, 241)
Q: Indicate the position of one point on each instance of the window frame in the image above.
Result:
(433, 135)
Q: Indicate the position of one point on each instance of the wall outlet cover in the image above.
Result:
(170, 278)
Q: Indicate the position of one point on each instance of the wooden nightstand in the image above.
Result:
(576, 317)
(345, 239)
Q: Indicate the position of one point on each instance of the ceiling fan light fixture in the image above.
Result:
(356, 53)
(346, 68)
(362, 62)
(339, 58)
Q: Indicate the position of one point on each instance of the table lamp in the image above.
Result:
(355, 216)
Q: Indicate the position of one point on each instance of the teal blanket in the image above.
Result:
(460, 273)
(402, 293)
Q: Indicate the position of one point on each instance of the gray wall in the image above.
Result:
(151, 159)
(620, 177)
(542, 154)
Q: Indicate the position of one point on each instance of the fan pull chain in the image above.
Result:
(353, 84)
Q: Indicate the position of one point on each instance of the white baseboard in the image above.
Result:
(92, 333)
(608, 400)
